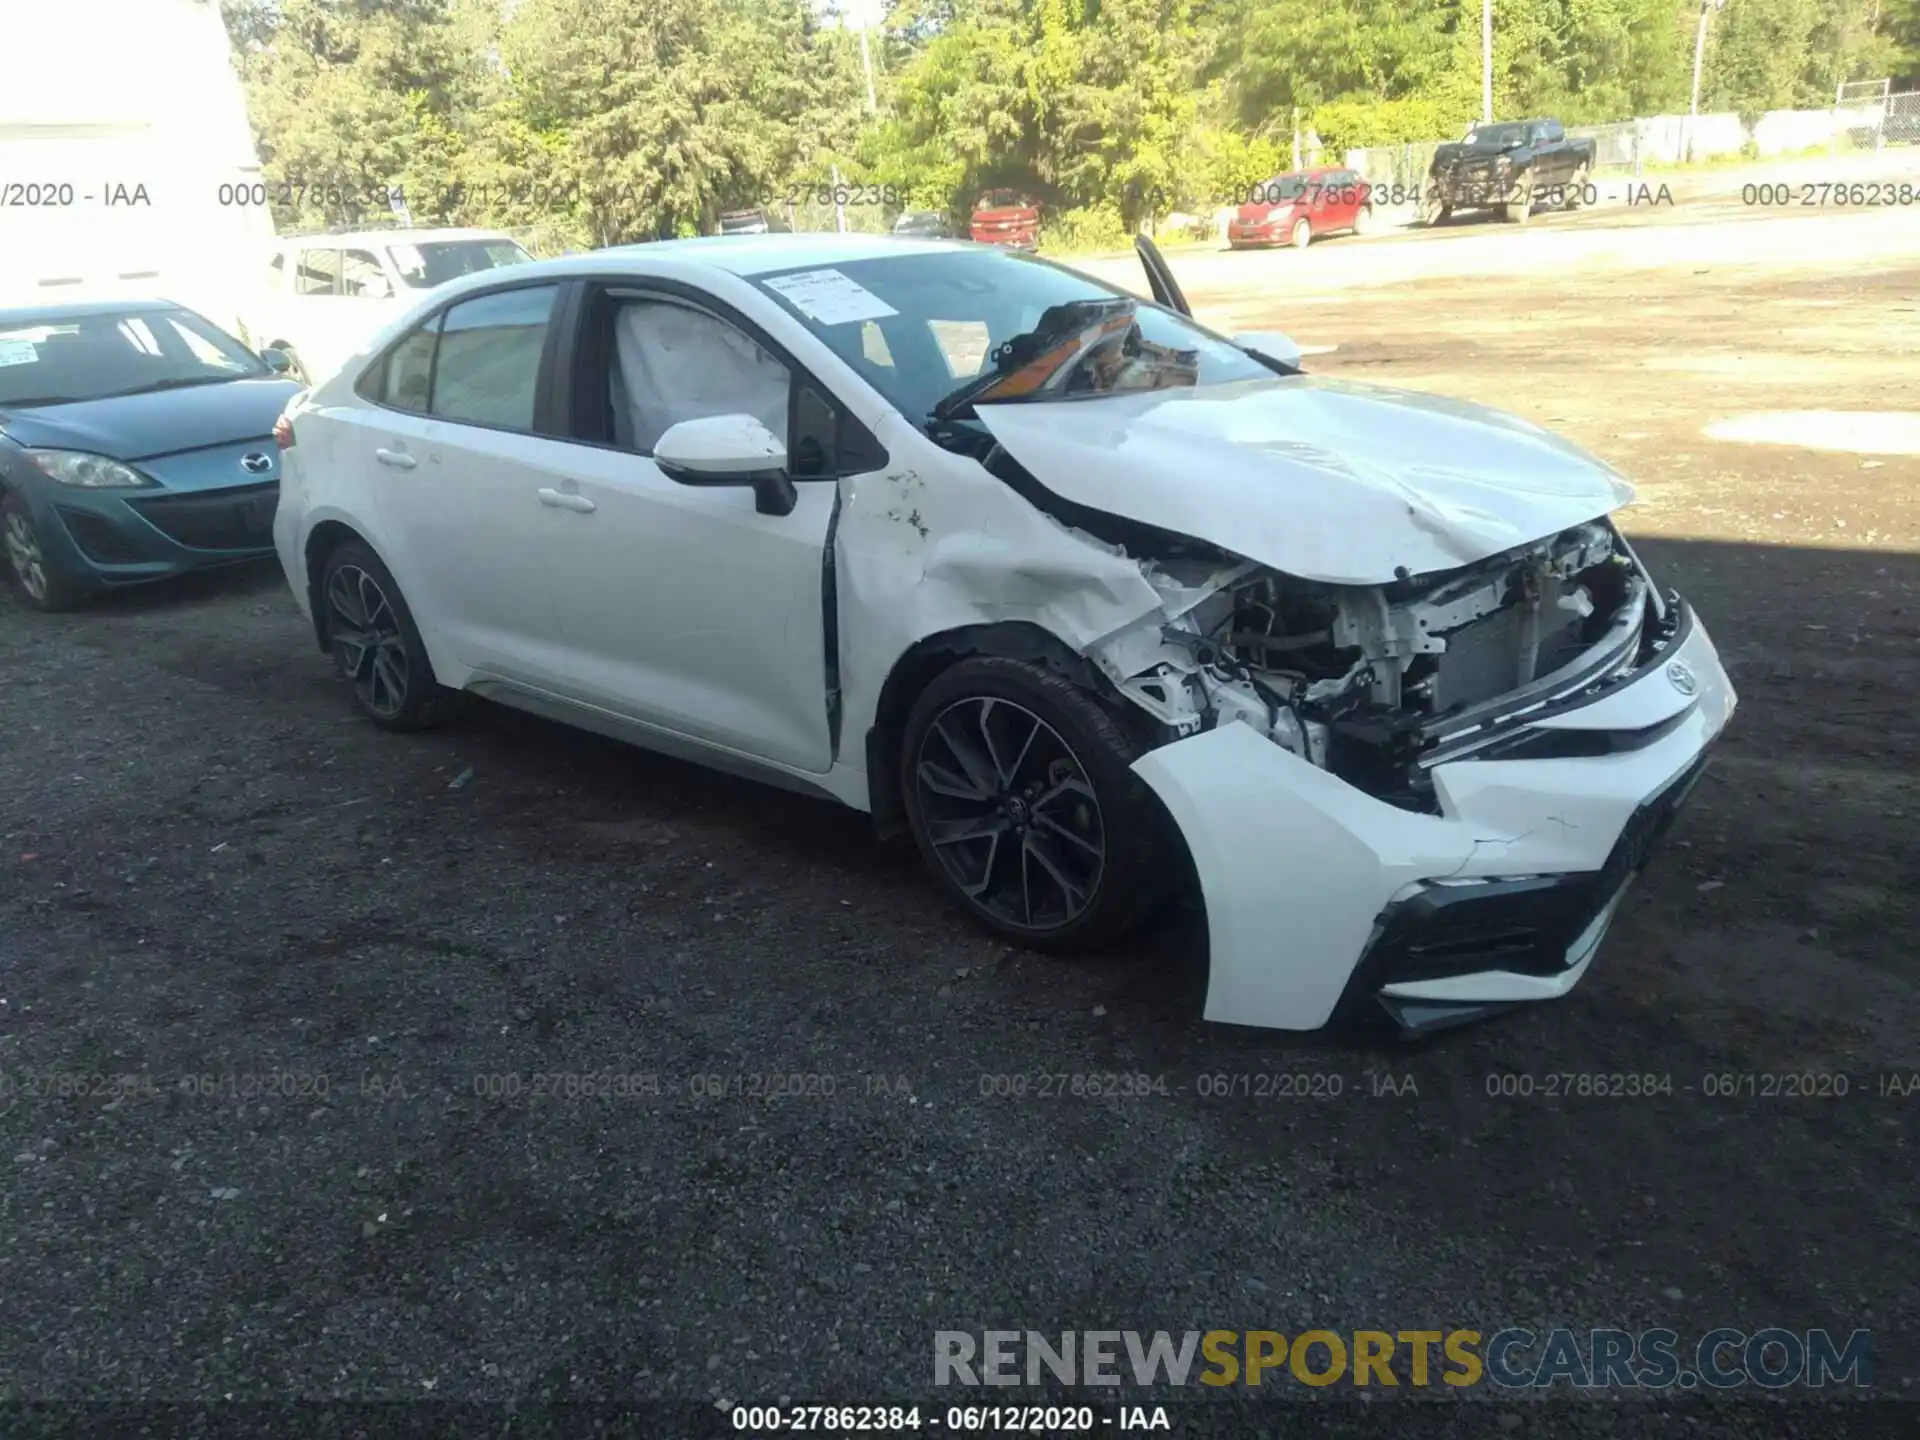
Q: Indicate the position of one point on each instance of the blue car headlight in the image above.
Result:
(87, 472)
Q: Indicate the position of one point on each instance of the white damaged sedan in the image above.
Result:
(1081, 594)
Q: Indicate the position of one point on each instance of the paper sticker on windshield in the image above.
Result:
(18, 352)
(830, 297)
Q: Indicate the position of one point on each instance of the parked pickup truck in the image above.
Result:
(1517, 166)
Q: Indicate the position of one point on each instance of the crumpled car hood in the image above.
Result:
(1322, 479)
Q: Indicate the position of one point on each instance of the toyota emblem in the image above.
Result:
(1682, 678)
(254, 463)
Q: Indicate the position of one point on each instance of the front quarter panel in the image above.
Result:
(934, 543)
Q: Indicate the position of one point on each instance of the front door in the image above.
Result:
(683, 606)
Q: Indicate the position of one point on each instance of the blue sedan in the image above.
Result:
(136, 443)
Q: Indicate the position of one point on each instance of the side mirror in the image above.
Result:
(278, 361)
(1270, 345)
(729, 450)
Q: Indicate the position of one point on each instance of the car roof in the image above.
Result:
(754, 254)
(740, 256)
(399, 234)
(79, 309)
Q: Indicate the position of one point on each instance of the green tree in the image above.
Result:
(348, 97)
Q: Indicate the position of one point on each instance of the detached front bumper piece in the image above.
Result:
(1324, 902)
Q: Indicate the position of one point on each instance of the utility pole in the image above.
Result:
(866, 56)
(1707, 7)
(1486, 62)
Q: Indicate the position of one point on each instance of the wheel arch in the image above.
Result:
(932, 655)
(322, 541)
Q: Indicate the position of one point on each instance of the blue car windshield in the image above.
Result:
(53, 359)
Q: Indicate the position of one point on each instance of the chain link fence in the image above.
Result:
(1901, 124)
(1394, 167)
(1615, 147)
(813, 217)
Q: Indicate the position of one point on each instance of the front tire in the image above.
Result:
(1023, 803)
(34, 578)
(1302, 235)
(376, 644)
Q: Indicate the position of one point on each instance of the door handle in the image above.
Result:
(398, 459)
(561, 500)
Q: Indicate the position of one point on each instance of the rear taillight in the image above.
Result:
(283, 432)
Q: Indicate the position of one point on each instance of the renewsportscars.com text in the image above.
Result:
(1515, 1358)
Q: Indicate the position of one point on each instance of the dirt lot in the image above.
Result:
(210, 868)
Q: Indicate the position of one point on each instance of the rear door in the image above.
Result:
(1323, 202)
(1552, 166)
(456, 452)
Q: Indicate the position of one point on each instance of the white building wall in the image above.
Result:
(107, 101)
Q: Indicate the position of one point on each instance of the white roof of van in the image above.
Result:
(397, 235)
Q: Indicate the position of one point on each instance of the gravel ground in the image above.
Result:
(338, 961)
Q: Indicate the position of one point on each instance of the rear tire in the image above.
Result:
(1363, 222)
(1518, 211)
(34, 579)
(1302, 235)
(373, 639)
(1023, 803)
(1577, 189)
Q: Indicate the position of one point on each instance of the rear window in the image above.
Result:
(424, 264)
(1003, 200)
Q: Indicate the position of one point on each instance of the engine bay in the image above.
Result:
(1374, 682)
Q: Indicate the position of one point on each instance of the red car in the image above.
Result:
(1299, 207)
(1006, 217)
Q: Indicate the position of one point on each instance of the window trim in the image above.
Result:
(852, 437)
(369, 388)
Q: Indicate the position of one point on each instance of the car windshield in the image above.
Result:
(53, 359)
(1283, 187)
(1497, 137)
(424, 264)
(924, 328)
(740, 220)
